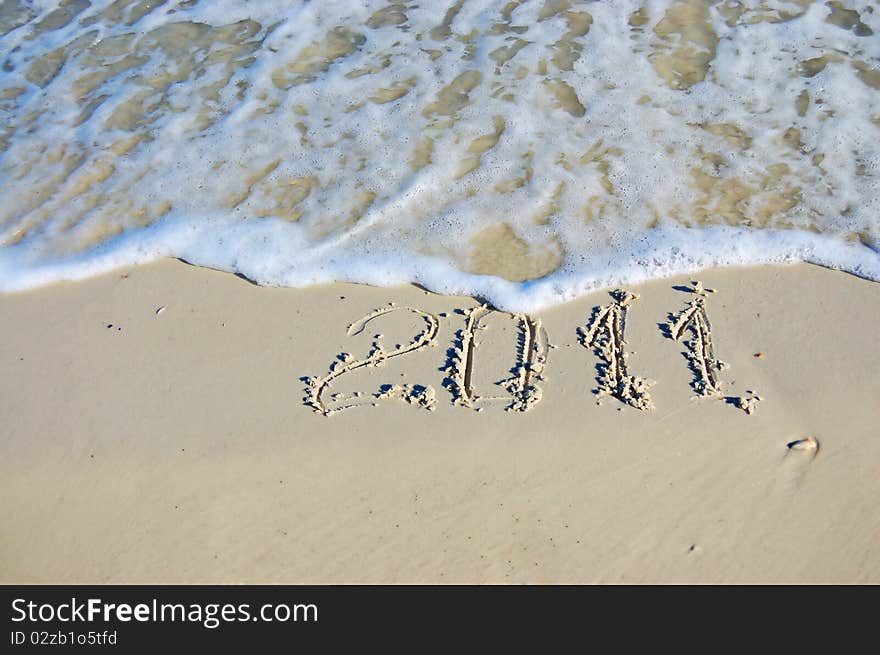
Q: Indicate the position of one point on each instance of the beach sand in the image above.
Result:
(153, 430)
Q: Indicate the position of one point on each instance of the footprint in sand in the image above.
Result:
(799, 454)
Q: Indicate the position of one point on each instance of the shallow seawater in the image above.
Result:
(524, 151)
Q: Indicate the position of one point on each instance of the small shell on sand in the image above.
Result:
(807, 443)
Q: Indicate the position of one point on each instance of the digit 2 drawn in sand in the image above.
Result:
(605, 335)
(422, 396)
(532, 348)
(700, 349)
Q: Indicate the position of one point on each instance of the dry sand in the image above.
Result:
(139, 445)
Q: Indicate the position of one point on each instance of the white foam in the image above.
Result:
(648, 176)
(261, 252)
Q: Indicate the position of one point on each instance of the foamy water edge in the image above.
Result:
(460, 145)
(242, 249)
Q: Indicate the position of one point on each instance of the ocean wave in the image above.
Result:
(525, 152)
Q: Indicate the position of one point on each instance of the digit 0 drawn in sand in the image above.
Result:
(531, 358)
(605, 335)
(700, 349)
(422, 396)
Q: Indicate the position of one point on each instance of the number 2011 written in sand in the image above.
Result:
(604, 335)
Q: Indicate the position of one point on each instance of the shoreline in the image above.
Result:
(174, 445)
(689, 251)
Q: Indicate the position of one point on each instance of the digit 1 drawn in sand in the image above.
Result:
(420, 395)
(605, 335)
(701, 351)
(531, 358)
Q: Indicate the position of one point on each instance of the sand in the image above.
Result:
(153, 429)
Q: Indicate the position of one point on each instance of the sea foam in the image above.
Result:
(523, 152)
